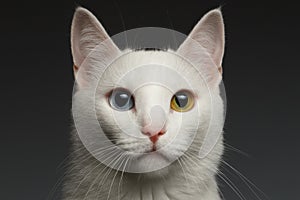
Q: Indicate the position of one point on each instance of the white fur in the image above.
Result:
(188, 177)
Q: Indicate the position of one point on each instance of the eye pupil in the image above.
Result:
(121, 99)
(181, 100)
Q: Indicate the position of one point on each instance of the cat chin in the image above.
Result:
(150, 163)
(156, 165)
(157, 174)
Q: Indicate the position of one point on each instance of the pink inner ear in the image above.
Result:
(220, 70)
(75, 68)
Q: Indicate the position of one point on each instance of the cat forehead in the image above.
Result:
(135, 59)
(135, 69)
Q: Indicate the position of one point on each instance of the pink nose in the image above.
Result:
(154, 137)
(154, 123)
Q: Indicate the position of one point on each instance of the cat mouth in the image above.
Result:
(155, 152)
(155, 158)
(153, 148)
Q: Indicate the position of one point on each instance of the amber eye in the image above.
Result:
(182, 101)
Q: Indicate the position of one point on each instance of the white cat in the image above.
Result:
(147, 109)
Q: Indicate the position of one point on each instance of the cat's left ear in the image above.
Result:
(208, 34)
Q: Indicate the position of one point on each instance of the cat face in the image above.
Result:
(153, 106)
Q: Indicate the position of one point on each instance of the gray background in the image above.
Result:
(261, 75)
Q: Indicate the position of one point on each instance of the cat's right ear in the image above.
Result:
(86, 34)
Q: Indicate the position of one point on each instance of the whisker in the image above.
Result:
(117, 171)
(122, 177)
(231, 185)
(109, 169)
(92, 184)
(229, 147)
(91, 171)
(186, 180)
(248, 183)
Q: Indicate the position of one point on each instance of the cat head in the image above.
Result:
(152, 106)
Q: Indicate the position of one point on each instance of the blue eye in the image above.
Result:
(121, 99)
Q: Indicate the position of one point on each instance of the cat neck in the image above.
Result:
(87, 178)
(180, 185)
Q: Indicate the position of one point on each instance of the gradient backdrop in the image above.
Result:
(261, 75)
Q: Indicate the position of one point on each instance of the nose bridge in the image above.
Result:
(152, 105)
(156, 119)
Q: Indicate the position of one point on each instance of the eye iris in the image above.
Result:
(121, 99)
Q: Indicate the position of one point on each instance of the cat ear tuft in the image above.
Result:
(86, 34)
(209, 34)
